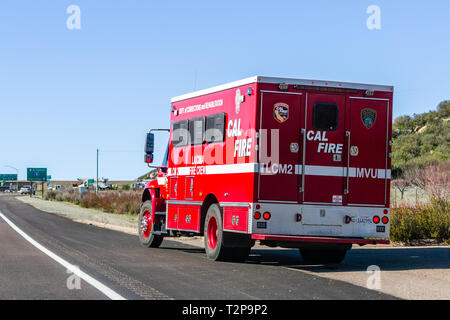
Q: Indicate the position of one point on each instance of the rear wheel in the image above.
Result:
(213, 234)
(214, 239)
(322, 256)
(145, 226)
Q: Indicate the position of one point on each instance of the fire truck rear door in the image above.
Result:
(324, 155)
(368, 172)
(280, 144)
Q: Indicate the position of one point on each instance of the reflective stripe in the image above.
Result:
(232, 168)
(326, 171)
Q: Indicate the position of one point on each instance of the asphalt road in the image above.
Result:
(116, 260)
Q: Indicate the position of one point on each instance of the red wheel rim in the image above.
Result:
(146, 223)
(212, 233)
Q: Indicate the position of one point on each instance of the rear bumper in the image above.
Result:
(269, 237)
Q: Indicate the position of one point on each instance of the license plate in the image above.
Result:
(261, 225)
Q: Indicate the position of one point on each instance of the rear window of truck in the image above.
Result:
(325, 116)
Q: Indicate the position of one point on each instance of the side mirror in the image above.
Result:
(149, 147)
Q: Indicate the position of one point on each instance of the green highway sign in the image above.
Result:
(8, 177)
(49, 177)
(36, 174)
(90, 181)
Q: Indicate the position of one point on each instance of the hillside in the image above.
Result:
(421, 140)
(149, 176)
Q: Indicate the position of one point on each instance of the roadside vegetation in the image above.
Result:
(119, 202)
(414, 224)
(421, 160)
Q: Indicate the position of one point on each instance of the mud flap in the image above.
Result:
(237, 240)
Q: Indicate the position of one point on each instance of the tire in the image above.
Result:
(214, 239)
(213, 234)
(145, 226)
(323, 256)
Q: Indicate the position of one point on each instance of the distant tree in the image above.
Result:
(414, 176)
(402, 123)
(401, 185)
(437, 182)
(444, 109)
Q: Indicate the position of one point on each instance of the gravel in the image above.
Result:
(76, 213)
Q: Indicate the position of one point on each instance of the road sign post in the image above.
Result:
(37, 174)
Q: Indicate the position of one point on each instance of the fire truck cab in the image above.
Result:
(288, 162)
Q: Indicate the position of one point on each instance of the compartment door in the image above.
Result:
(325, 136)
(368, 154)
(189, 188)
(279, 146)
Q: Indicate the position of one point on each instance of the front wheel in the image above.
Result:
(145, 226)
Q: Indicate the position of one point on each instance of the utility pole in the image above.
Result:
(96, 186)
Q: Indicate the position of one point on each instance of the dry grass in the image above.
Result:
(119, 202)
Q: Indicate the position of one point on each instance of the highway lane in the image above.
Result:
(27, 273)
(175, 271)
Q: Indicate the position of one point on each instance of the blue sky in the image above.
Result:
(64, 93)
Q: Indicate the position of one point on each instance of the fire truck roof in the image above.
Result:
(303, 82)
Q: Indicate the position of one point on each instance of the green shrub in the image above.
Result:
(431, 221)
(50, 195)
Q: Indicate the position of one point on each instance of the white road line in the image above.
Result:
(96, 284)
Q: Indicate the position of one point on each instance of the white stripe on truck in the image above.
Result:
(253, 167)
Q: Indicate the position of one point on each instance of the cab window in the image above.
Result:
(215, 128)
(180, 133)
(197, 130)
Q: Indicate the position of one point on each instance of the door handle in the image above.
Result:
(348, 134)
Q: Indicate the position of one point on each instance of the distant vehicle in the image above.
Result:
(8, 190)
(27, 190)
(139, 185)
(55, 187)
(103, 186)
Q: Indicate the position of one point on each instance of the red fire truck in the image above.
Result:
(288, 162)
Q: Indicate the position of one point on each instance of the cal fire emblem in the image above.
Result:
(368, 117)
(281, 112)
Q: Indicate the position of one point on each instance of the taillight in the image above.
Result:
(257, 215)
(266, 215)
(385, 220)
(385, 211)
(376, 219)
(257, 207)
